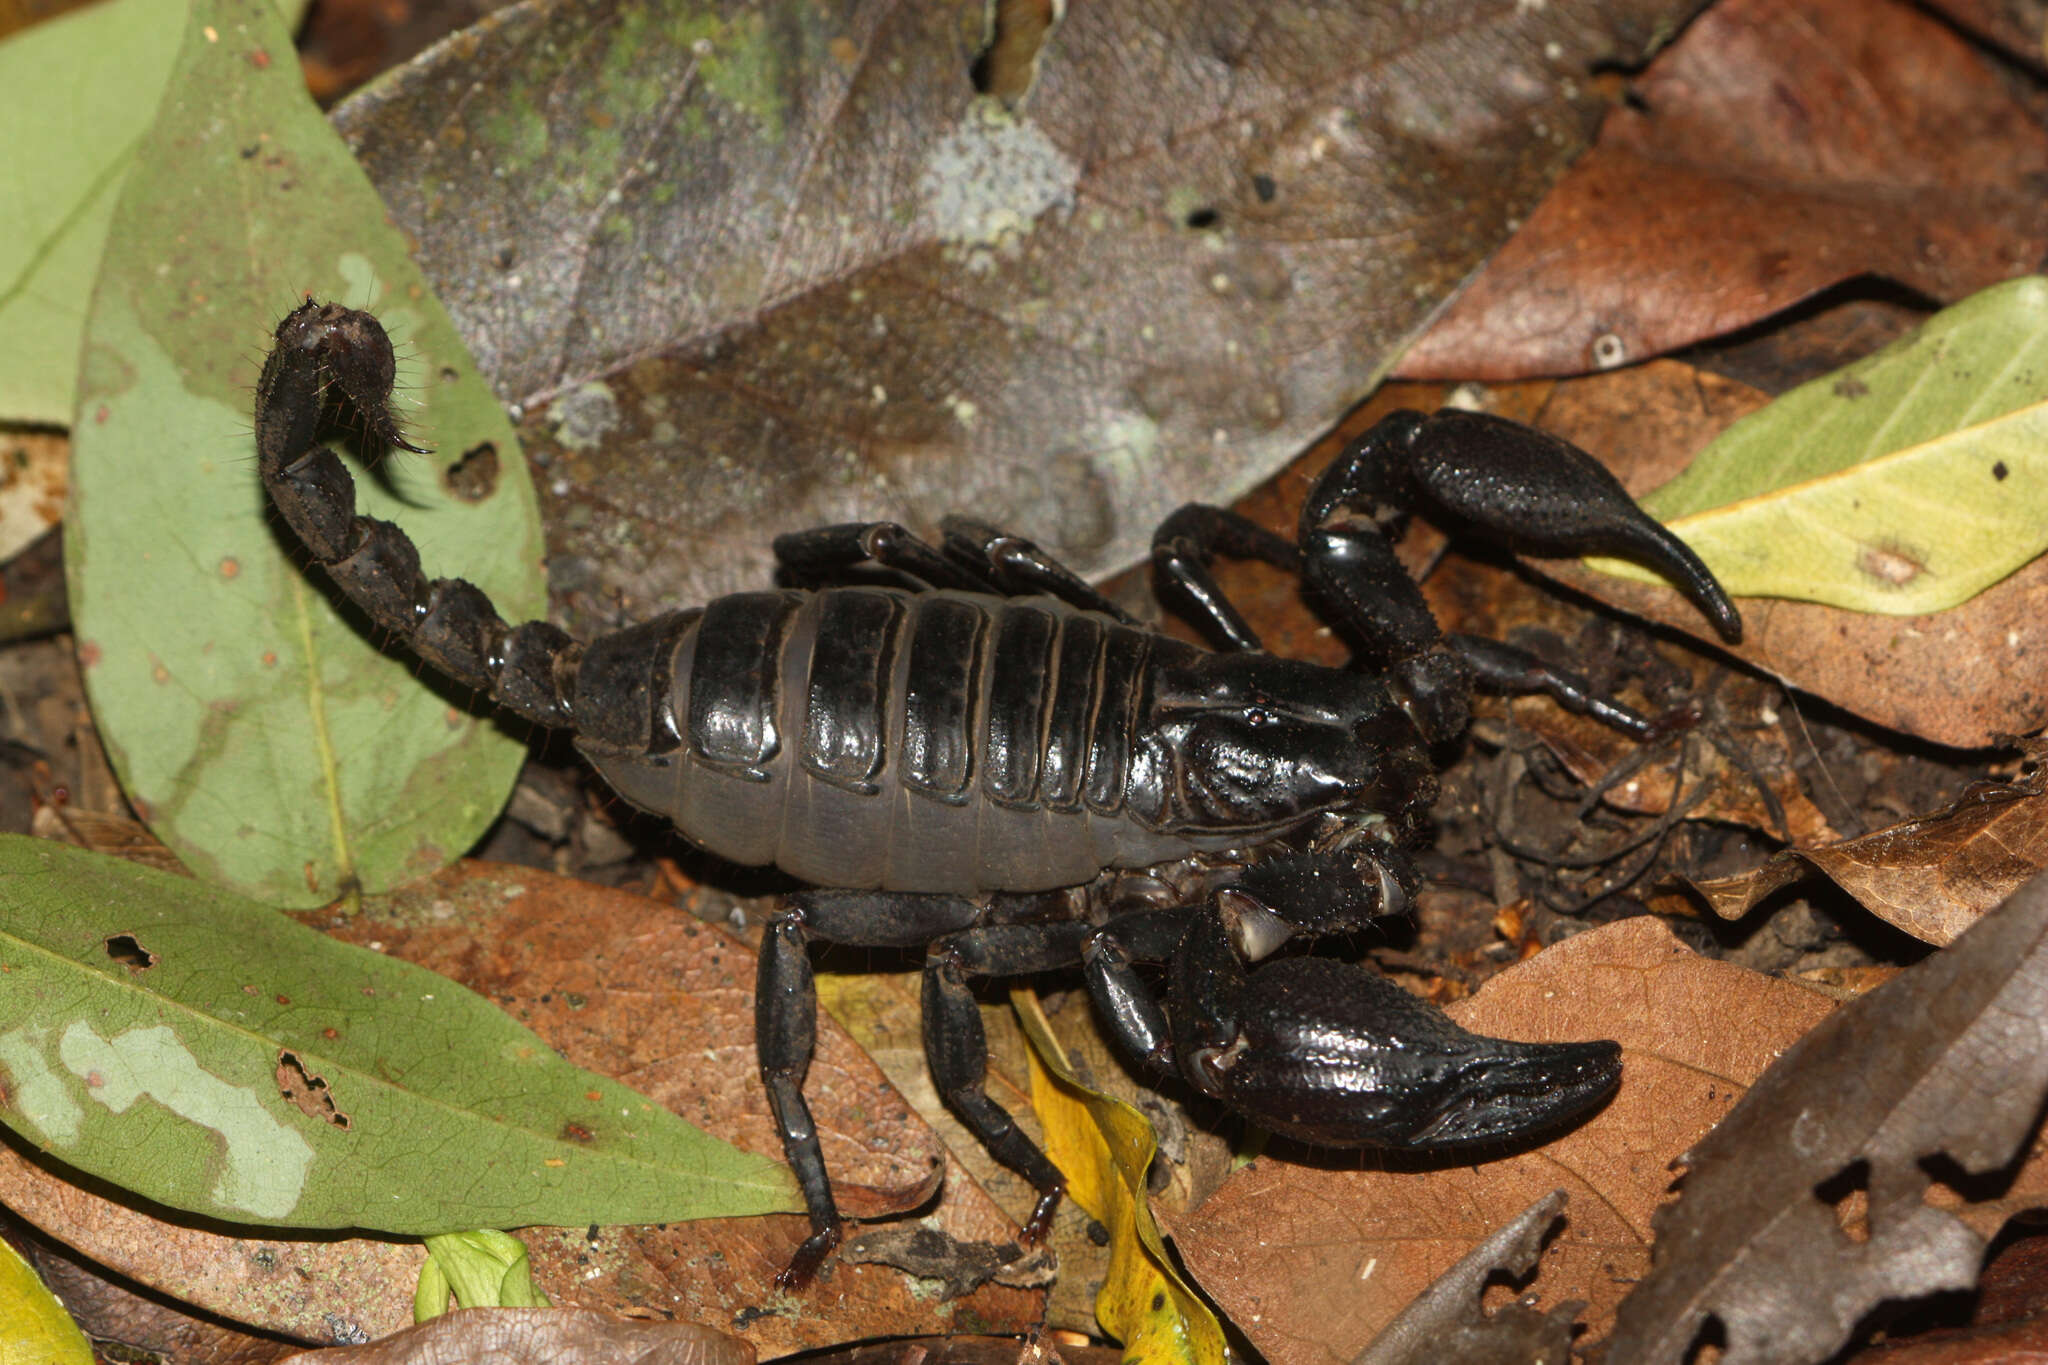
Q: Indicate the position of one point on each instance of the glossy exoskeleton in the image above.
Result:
(1003, 767)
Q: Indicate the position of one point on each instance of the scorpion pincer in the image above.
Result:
(1000, 765)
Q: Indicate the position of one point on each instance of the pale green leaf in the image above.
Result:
(217, 1057)
(1905, 483)
(481, 1269)
(81, 91)
(264, 736)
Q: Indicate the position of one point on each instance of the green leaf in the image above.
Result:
(1904, 484)
(217, 1057)
(81, 91)
(482, 1269)
(34, 1328)
(261, 734)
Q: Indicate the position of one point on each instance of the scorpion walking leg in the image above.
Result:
(1516, 486)
(957, 1048)
(824, 550)
(786, 1027)
(1020, 568)
(1181, 550)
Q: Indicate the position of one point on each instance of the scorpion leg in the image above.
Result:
(824, 550)
(1182, 548)
(957, 1049)
(1020, 568)
(1518, 487)
(786, 1027)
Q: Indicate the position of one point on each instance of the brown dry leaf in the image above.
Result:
(112, 1313)
(1312, 1260)
(2015, 25)
(1962, 677)
(315, 1289)
(779, 265)
(1779, 149)
(1814, 1200)
(639, 991)
(1933, 877)
(541, 1336)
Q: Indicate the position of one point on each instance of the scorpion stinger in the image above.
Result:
(998, 764)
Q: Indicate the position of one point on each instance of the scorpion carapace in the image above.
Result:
(999, 765)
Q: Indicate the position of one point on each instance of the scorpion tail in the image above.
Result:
(325, 357)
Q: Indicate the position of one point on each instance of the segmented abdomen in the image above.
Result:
(868, 737)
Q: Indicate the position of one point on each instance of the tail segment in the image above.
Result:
(332, 363)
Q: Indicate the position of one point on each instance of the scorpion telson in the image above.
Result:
(1002, 767)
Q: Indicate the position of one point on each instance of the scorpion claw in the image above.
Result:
(1390, 1071)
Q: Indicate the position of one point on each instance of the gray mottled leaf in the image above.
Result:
(780, 264)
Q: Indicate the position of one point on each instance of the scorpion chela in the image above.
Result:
(998, 764)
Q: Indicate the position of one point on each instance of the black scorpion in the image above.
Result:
(949, 765)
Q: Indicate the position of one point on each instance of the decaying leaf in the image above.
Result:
(1810, 1203)
(1313, 1254)
(1904, 483)
(485, 1336)
(1774, 150)
(1447, 1322)
(783, 265)
(1933, 877)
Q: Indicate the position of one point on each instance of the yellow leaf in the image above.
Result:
(1103, 1147)
(34, 1328)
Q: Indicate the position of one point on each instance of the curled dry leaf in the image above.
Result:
(1933, 877)
(1446, 1321)
(1810, 1203)
(1311, 1256)
(1775, 150)
(779, 264)
(519, 1336)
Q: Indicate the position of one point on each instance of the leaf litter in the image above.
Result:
(785, 286)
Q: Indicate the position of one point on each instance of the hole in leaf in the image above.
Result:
(1202, 218)
(1017, 32)
(310, 1094)
(1847, 1192)
(127, 950)
(474, 477)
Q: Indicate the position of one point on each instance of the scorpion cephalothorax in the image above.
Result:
(945, 763)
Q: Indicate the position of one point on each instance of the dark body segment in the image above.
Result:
(874, 738)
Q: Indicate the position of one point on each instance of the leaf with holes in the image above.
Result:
(213, 1056)
(1934, 1076)
(261, 734)
(1905, 483)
